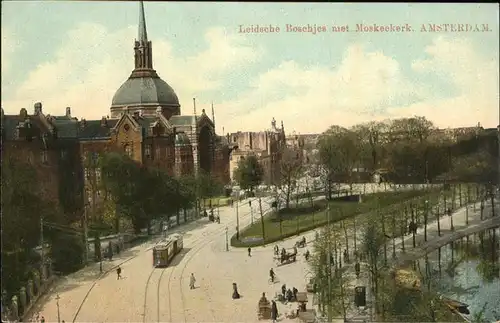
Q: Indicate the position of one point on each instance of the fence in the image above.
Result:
(15, 307)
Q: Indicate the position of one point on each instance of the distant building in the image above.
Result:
(267, 145)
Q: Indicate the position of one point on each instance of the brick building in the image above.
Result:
(145, 123)
(266, 145)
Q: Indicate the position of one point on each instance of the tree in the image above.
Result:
(409, 139)
(370, 137)
(22, 211)
(249, 173)
(291, 168)
(132, 187)
(339, 151)
(372, 243)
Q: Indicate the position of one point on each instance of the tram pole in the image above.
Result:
(237, 217)
(227, 241)
(58, 312)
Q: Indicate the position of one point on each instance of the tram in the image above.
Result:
(165, 251)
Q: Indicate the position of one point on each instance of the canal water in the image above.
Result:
(468, 270)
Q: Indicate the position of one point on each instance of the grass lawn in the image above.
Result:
(296, 223)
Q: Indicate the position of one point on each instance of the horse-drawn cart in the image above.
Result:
(286, 258)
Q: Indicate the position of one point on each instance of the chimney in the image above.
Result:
(38, 108)
(83, 123)
(68, 112)
(104, 122)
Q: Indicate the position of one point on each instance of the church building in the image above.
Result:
(144, 122)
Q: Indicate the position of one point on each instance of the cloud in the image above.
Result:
(93, 62)
(9, 46)
(364, 85)
(368, 85)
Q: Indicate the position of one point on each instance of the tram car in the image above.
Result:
(165, 251)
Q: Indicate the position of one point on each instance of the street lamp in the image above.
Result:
(58, 313)
(426, 216)
(227, 241)
(251, 210)
(237, 216)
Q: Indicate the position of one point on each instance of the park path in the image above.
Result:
(466, 221)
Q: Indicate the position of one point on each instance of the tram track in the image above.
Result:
(196, 244)
(201, 245)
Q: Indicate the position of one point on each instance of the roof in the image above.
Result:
(139, 91)
(93, 129)
(66, 128)
(182, 120)
(142, 35)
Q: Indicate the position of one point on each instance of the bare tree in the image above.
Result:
(291, 168)
(372, 244)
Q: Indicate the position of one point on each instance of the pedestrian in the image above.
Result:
(118, 273)
(274, 311)
(357, 267)
(42, 320)
(192, 280)
(271, 275)
(249, 252)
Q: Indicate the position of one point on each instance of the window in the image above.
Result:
(44, 156)
(128, 150)
(97, 175)
(147, 151)
(158, 153)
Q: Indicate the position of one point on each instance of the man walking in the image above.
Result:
(118, 273)
(192, 281)
(249, 252)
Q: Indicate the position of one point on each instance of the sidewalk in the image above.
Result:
(86, 276)
(80, 283)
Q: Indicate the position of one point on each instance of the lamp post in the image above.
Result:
(58, 313)
(227, 241)
(251, 210)
(426, 216)
(237, 216)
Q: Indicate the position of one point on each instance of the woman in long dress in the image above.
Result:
(274, 311)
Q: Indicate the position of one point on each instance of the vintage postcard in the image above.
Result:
(235, 162)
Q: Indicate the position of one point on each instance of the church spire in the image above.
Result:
(143, 34)
(143, 49)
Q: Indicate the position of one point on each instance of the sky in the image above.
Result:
(77, 54)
